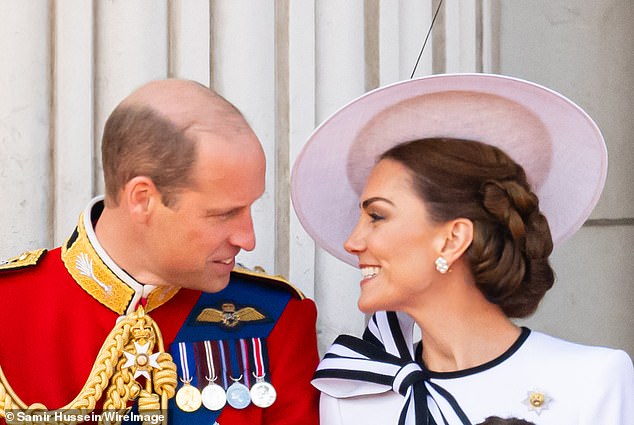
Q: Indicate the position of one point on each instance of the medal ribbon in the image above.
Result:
(185, 361)
(383, 361)
(236, 365)
(225, 368)
(209, 357)
(260, 358)
(243, 349)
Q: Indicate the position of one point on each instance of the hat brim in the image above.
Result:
(558, 144)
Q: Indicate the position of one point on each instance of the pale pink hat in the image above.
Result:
(558, 144)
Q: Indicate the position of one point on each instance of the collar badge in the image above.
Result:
(85, 266)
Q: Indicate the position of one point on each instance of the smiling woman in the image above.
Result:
(391, 241)
(462, 179)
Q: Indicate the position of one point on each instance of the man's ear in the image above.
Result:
(140, 195)
(458, 237)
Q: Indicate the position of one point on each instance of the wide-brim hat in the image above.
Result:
(558, 144)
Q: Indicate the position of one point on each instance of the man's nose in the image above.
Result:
(243, 235)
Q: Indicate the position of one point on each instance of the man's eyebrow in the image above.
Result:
(365, 204)
(223, 211)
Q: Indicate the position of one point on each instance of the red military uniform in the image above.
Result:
(58, 307)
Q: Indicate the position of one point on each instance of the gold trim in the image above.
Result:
(278, 279)
(91, 273)
(159, 296)
(111, 376)
(26, 259)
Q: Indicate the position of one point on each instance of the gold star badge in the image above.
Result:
(537, 401)
(141, 360)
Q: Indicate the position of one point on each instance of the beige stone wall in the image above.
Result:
(288, 64)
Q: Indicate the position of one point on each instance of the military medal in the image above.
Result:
(213, 395)
(238, 395)
(263, 394)
(188, 397)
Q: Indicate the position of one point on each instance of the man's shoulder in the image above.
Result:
(266, 281)
(29, 273)
(250, 306)
(38, 270)
(25, 260)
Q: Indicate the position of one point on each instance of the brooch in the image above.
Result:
(537, 401)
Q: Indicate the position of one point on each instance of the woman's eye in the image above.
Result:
(375, 217)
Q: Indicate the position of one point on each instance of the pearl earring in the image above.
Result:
(441, 265)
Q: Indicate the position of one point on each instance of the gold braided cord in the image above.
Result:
(112, 376)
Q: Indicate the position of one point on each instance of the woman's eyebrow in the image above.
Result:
(365, 204)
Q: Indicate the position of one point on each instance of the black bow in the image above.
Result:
(383, 361)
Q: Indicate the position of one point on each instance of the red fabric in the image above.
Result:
(52, 331)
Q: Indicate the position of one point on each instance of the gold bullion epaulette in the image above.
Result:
(259, 275)
(26, 259)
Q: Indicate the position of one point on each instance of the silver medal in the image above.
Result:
(238, 395)
(263, 394)
(214, 397)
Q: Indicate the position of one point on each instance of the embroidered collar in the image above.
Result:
(98, 275)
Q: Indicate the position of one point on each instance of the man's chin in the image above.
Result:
(205, 282)
(215, 284)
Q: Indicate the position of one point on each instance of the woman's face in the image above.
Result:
(395, 241)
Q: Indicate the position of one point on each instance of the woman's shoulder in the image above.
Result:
(599, 380)
(572, 355)
(555, 345)
(375, 409)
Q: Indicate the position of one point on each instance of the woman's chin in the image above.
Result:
(366, 306)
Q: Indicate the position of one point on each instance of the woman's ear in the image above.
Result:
(458, 237)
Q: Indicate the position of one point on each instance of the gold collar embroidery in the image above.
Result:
(87, 262)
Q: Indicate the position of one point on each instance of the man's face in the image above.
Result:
(194, 242)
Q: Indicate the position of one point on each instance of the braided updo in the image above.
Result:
(511, 241)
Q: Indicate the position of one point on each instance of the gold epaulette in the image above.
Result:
(276, 280)
(26, 259)
(133, 348)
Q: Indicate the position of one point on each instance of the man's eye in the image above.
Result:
(221, 215)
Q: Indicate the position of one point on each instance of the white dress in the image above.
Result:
(578, 385)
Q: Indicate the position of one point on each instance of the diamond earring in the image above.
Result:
(441, 265)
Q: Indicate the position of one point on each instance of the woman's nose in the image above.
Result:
(355, 242)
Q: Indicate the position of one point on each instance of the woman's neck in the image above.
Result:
(462, 331)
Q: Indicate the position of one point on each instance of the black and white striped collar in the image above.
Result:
(384, 361)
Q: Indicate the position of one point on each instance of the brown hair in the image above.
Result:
(511, 243)
(137, 141)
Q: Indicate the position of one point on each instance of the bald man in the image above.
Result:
(144, 305)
